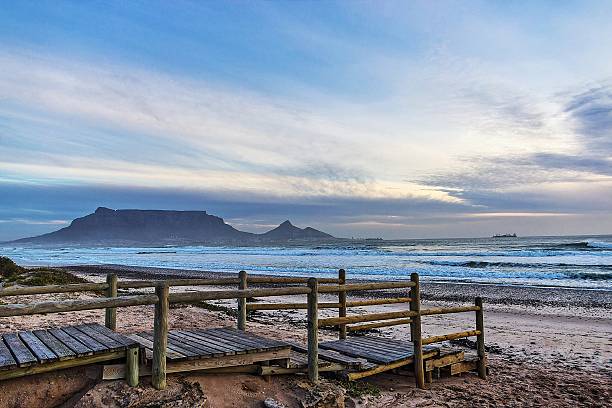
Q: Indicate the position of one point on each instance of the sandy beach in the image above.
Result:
(546, 347)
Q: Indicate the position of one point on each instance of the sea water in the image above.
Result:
(581, 262)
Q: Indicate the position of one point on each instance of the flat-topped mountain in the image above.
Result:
(162, 227)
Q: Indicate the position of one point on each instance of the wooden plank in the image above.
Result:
(213, 342)
(370, 317)
(174, 347)
(39, 290)
(108, 343)
(333, 356)
(263, 340)
(365, 286)
(232, 294)
(228, 340)
(237, 363)
(370, 326)
(358, 343)
(59, 365)
(386, 367)
(463, 367)
(272, 370)
(189, 344)
(148, 344)
(6, 358)
(74, 305)
(247, 344)
(384, 344)
(448, 310)
(92, 344)
(451, 336)
(120, 338)
(38, 348)
(249, 341)
(20, 351)
(73, 344)
(59, 348)
(118, 371)
(445, 360)
(354, 351)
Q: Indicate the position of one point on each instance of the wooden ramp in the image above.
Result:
(38, 351)
(385, 354)
(204, 349)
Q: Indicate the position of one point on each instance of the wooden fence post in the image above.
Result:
(242, 309)
(160, 337)
(110, 318)
(131, 365)
(342, 302)
(415, 331)
(480, 340)
(313, 331)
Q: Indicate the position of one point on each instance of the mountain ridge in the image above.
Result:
(106, 226)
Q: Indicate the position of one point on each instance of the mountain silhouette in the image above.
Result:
(163, 227)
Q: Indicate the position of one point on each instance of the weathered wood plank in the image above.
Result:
(120, 338)
(186, 343)
(370, 317)
(73, 344)
(447, 359)
(238, 364)
(92, 344)
(108, 343)
(37, 347)
(74, 305)
(148, 344)
(211, 341)
(332, 356)
(246, 344)
(6, 358)
(354, 351)
(58, 365)
(20, 351)
(264, 340)
(177, 349)
(59, 348)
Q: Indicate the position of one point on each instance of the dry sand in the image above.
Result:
(547, 347)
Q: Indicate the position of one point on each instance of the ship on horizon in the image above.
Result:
(513, 235)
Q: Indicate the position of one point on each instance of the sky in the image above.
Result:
(393, 119)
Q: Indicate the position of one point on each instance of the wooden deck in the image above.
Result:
(30, 352)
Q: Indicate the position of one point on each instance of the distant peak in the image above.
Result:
(100, 210)
(286, 223)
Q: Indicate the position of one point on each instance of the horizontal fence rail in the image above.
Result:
(451, 336)
(377, 325)
(43, 290)
(334, 321)
(448, 310)
(350, 287)
(75, 305)
(234, 294)
(325, 305)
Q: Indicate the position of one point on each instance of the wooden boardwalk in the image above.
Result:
(29, 352)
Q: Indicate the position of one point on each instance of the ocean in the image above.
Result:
(576, 262)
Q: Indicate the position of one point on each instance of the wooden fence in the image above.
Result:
(311, 287)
